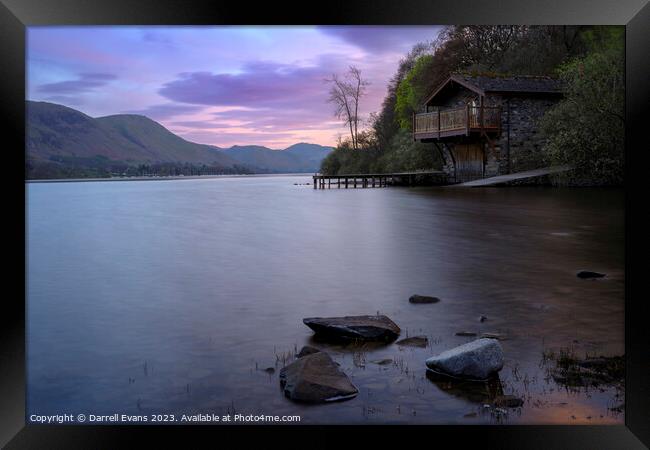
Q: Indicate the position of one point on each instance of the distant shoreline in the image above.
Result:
(167, 178)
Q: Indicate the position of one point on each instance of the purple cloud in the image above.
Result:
(277, 140)
(282, 119)
(271, 79)
(201, 124)
(260, 84)
(276, 97)
(166, 110)
(85, 83)
(383, 39)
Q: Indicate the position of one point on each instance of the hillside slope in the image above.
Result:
(63, 142)
(56, 132)
(290, 160)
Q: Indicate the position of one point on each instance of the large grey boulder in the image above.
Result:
(316, 378)
(476, 360)
(351, 328)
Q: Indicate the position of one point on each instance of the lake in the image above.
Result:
(174, 296)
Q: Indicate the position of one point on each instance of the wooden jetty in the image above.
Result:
(378, 180)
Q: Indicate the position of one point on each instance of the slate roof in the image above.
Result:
(482, 84)
(521, 83)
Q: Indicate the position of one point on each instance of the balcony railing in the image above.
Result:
(463, 120)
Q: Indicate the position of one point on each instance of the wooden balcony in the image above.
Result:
(456, 121)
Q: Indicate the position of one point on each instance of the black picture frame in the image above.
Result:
(16, 15)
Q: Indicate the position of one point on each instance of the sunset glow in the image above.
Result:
(216, 85)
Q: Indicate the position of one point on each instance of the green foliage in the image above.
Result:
(401, 155)
(587, 128)
(413, 90)
(604, 38)
(404, 155)
(347, 160)
(385, 124)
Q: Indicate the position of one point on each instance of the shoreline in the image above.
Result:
(167, 178)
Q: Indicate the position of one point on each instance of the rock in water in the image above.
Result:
(316, 378)
(307, 350)
(466, 333)
(415, 341)
(508, 401)
(493, 336)
(382, 362)
(586, 274)
(350, 328)
(423, 299)
(476, 360)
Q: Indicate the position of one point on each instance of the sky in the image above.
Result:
(224, 86)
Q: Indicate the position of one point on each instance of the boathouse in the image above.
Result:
(486, 125)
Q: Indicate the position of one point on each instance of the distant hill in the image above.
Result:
(297, 158)
(63, 142)
(313, 153)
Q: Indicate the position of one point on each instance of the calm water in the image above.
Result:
(192, 287)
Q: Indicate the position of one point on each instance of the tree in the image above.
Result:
(587, 128)
(346, 93)
(345, 159)
(414, 88)
(385, 123)
(483, 46)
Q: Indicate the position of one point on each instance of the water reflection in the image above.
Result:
(206, 280)
(482, 392)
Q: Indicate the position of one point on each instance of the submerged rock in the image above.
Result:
(465, 333)
(351, 328)
(423, 299)
(307, 350)
(316, 378)
(498, 336)
(587, 274)
(508, 401)
(602, 370)
(382, 362)
(476, 360)
(415, 341)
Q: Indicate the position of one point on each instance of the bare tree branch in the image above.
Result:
(346, 94)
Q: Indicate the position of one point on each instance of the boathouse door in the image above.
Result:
(469, 162)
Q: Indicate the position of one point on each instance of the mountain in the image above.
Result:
(63, 142)
(298, 158)
(55, 132)
(313, 153)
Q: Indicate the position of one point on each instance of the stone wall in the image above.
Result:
(448, 162)
(520, 135)
(520, 121)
